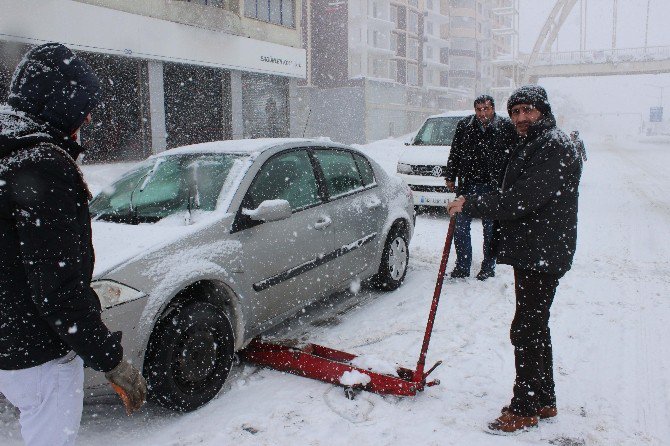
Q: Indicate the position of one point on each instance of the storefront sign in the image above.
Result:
(103, 30)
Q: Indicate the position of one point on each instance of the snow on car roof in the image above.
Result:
(453, 113)
(242, 146)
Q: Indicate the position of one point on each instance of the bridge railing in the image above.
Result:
(604, 56)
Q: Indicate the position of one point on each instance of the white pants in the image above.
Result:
(50, 398)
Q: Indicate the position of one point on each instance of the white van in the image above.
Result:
(423, 162)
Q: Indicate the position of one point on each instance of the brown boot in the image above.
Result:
(544, 412)
(509, 422)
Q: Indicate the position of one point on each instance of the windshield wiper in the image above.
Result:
(144, 180)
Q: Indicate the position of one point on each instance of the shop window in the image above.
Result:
(278, 12)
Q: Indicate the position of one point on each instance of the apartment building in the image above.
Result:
(174, 72)
(390, 63)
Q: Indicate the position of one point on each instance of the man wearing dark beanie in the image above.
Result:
(536, 210)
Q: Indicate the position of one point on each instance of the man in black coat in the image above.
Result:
(50, 320)
(478, 154)
(537, 212)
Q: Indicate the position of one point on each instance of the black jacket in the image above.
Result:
(537, 207)
(478, 154)
(47, 306)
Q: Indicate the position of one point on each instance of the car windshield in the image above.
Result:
(160, 187)
(437, 131)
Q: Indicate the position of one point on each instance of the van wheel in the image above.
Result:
(395, 257)
(190, 356)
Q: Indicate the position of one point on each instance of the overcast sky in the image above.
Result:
(615, 93)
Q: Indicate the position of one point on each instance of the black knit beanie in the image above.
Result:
(530, 94)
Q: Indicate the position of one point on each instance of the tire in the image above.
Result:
(395, 257)
(190, 356)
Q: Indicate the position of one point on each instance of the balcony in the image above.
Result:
(504, 31)
(504, 11)
(436, 40)
(437, 16)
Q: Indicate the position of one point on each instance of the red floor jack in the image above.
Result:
(325, 364)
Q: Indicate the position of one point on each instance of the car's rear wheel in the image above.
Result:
(190, 356)
(395, 257)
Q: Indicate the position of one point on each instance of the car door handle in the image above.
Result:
(373, 202)
(322, 222)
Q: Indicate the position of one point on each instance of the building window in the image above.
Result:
(393, 70)
(429, 52)
(469, 4)
(354, 65)
(412, 49)
(429, 28)
(278, 12)
(412, 74)
(413, 22)
(378, 66)
(375, 39)
(393, 14)
(462, 22)
(375, 9)
(414, 3)
(429, 4)
(394, 42)
(429, 77)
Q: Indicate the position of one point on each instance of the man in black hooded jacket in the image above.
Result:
(537, 213)
(50, 320)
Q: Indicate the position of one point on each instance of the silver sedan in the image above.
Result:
(203, 247)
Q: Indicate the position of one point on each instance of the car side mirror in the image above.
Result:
(270, 210)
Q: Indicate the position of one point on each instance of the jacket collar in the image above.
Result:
(19, 130)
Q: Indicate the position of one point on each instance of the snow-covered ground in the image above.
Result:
(609, 326)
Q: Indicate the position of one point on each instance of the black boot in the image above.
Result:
(458, 273)
(485, 274)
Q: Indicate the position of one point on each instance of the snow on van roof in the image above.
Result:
(453, 113)
(242, 146)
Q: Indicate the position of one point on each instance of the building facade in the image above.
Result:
(173, 72)
(390, 63)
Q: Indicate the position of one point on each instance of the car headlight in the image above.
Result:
(404, 168)
(113, 293)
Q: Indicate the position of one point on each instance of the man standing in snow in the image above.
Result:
(537, 212)
(579, 144)
(50, 322)
(478, 154)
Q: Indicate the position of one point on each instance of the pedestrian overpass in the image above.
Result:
(545, 61)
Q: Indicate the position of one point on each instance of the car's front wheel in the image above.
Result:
(395, 257)
(190, 356)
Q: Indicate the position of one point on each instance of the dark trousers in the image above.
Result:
(462, 238)
(534, 384)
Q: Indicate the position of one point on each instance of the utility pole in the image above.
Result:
(614, 20)
(646, 27)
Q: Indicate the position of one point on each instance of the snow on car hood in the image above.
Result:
(425, 155)
(116, 243)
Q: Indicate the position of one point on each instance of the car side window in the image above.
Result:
(364, 167)
(287, 176)
(340, 171)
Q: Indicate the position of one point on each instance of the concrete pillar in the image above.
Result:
(157, 106)
(236, 104)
